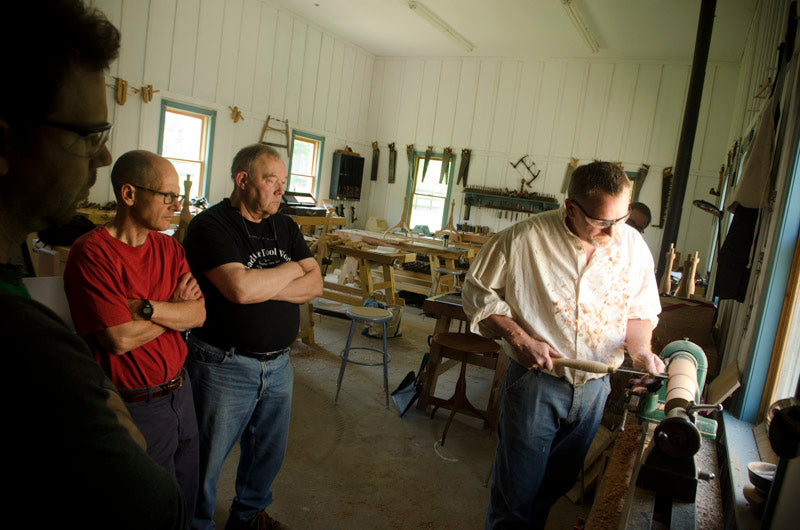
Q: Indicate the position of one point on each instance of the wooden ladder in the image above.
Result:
(282, 130)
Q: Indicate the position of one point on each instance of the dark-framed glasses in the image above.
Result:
(169, 198)
(89, 141)
(596, 222)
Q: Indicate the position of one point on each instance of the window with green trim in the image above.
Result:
(428, 195)
(185, 140)
(304, 166)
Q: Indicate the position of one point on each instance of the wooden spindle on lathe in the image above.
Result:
(686, 287)
(666, 279)
(682, 383)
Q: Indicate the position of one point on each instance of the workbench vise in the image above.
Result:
(669, 467)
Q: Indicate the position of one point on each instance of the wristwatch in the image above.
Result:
(147, 310)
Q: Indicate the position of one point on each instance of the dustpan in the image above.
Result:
(410, 389)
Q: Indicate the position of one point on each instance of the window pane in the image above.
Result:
(183, 136)
(193, 170)
(301, 184)
(427, 211)
(431, 184)
(302, 157)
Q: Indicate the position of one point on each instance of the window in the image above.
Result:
(305, 163)
(428, 196)
(185, 140)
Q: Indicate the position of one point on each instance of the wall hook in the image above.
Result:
(236, 114)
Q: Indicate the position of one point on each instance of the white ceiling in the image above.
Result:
(662, 30)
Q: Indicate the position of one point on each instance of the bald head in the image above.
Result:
(137, 168)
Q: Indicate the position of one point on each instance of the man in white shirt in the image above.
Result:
(576, 283)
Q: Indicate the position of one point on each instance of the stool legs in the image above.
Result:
(459, 401)
(345, 353)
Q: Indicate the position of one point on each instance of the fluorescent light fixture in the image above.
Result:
(440, 24)
(580, 25)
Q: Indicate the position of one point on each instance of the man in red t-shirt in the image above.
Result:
(131, 294)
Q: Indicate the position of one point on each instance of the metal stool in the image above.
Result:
(437, 275)
(368, 315)
(467, 348)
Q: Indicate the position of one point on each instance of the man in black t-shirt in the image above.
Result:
(254, 268)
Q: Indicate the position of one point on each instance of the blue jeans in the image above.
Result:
(169, 426)
(239, 397)
(545, 428)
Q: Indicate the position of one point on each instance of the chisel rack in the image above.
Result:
(502, 199)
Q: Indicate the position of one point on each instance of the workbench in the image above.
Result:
(447, 308)
(438, 256)
(101, 217)
(309, 223)
(384, 259)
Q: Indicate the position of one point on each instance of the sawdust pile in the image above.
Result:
(610, 499)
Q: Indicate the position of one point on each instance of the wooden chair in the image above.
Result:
(467, 348)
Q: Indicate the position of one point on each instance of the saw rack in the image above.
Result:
(507, 200)
(284, 131)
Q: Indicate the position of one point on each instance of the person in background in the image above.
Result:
(75, 458)
(131, 295)
(573, 283)
(640, 216)
(254, 268)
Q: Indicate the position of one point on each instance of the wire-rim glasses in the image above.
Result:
(601, 223)
(169, 198)
(90, 140)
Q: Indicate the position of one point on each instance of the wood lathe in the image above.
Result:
(658, 481)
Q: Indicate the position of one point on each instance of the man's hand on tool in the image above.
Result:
(531, 353)
(647, 362)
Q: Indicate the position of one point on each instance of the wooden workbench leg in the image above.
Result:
(450, 284)
(433, 261)
(391, 291)
(431, 374)
(367, 285)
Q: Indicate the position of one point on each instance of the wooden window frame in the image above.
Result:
(319, 144)
(206, 145)
(419, 158)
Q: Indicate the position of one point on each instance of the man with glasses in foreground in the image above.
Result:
(576, 283)
(73, 454)
(131, 294)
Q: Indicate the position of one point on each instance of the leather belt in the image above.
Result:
(144, 394)
(263, 357)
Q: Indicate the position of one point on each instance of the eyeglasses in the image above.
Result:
(601, 223)
(169, 198)
(90, 140)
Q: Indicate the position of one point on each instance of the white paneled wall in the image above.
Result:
(252, 54)
(550, 110)
(218, 54)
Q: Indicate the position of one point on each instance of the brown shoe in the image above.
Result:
(261, 521)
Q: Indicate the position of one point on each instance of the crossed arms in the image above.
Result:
(294, 281)
(184, 310)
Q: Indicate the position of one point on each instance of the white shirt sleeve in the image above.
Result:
(484, 286)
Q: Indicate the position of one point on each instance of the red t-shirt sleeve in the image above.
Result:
(94, 290)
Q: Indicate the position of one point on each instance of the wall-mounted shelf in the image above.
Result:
(500, 199)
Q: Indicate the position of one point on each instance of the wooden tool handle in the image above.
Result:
(595, 367)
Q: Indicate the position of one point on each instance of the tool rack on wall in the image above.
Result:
(506, 200)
